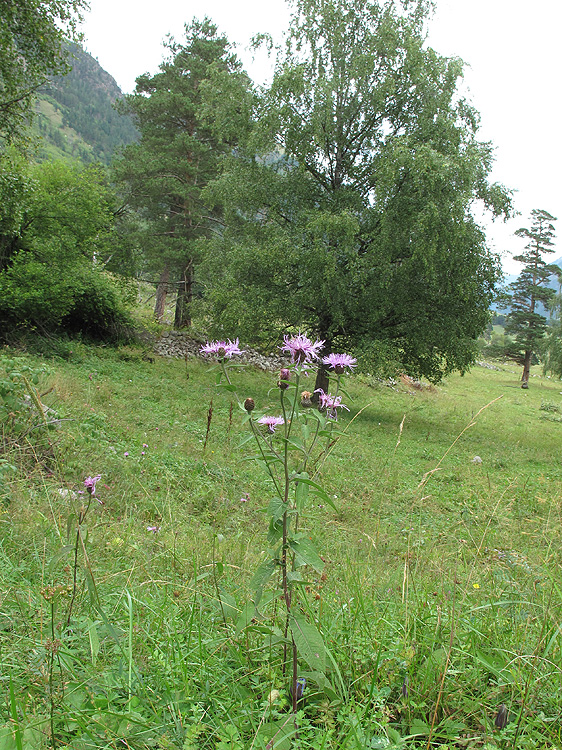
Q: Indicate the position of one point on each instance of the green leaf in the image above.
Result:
(309, 642)
(228, 605)
(94, 640)
(275, 532)
(276, 508)
(317, 489)
(301, 495)
(246, 617)
(306, 554)
(245, 440)
(262, 575)
(59, 555)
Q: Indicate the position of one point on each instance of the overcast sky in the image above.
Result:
(511, 47)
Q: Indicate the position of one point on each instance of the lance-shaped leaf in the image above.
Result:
(309, 642)
(305, 553)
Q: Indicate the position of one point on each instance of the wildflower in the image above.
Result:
(301, 349)
(301, 685)
(145, 445)
(245, 497)
(154, 529)
(338, 362)
(284, 376)
(126, 454)
(330, 404)
(90, 484)
(249, 404)
(306, 399)
(271, 422)
(222, 348)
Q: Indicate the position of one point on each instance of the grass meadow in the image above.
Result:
(440, 601)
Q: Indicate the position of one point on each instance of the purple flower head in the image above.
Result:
(154, 529)
(245, 497)
(330, 404)
(338, 362)
(271, 422)
(90, 484)
(222, 348)
(301, 349)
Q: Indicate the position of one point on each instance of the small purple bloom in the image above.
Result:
(222, 348)
(245, 497)
(338, 362)
(271, 422)
(90, 484)
(126, 454)
(301, 349)
(330, 404)
(154, 529)
(145, 445)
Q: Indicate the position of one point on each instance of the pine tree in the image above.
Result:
(177, 155)
(530, 289)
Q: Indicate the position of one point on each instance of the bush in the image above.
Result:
(81, 300)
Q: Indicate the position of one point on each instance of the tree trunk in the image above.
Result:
(182, 317)
(322, 381)
(161, 293)
(526, 369)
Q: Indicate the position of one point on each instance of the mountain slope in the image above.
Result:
(75, 114)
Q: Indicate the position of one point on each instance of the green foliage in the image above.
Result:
(52, 275)
(530, 289)
(32, 46)
(455, 584)
(164, 173)
(18, 395)
(348, 206)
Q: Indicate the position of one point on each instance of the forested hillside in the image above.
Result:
(76, 117)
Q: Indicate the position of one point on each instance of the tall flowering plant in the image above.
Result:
(291, 446)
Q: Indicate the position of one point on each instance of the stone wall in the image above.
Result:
(180, 344)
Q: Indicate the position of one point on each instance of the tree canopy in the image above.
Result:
(176, 156)
(531, 288)
(348, 207)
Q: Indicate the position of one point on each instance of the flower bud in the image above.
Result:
(249, 404)
(284, 376)
(306, 399)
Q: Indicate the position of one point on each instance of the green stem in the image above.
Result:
(259, 438)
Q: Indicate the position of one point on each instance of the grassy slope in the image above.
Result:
(451, 587)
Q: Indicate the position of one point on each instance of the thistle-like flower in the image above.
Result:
(271, 422)
(284, 377)
(301, 349)
(330, 404)
(90, 484)
(306, 399)
(338, 362)
(222, 348)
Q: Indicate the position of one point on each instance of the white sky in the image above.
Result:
(512, 48)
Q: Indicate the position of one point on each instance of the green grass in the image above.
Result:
(441, 596)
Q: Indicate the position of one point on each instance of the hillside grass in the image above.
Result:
(441, 597)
